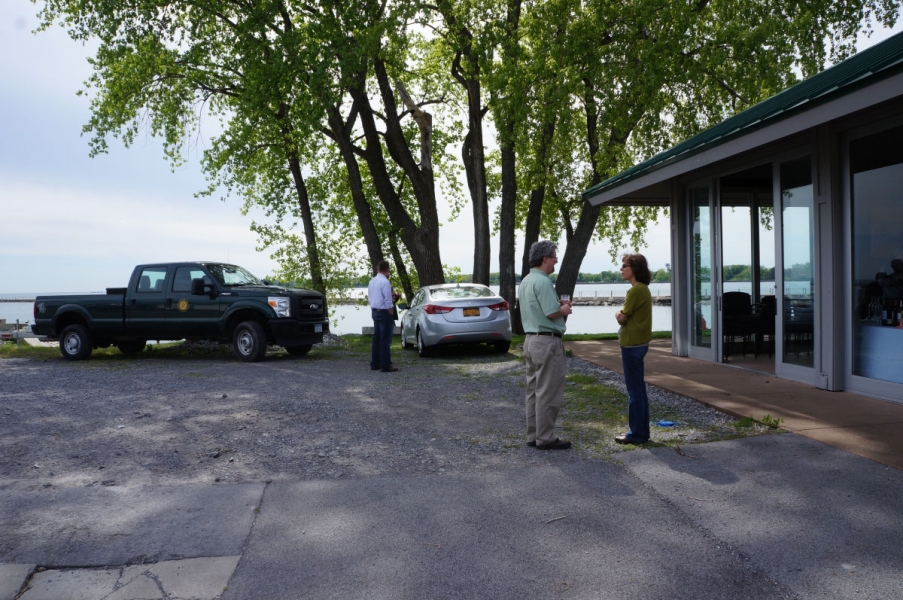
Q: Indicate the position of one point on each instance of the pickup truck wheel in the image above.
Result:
(75, 342)
(250, 341)
(131, 346)
(299, 350)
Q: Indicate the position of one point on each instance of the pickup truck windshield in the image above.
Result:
(231, 275)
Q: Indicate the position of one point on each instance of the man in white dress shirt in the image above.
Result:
(382, 302)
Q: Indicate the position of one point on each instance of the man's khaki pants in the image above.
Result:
(546, 370)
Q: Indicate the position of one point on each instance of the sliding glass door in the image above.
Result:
(701, 269)
(798, 264)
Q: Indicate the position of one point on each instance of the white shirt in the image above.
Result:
(379, 292)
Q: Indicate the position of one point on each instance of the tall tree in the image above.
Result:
(649, 73)
(314, 92)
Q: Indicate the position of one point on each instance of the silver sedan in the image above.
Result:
(456, 313)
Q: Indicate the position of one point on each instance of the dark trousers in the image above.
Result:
(383, 328)
(634, 379)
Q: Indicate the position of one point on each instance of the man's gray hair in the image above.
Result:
(541, 249)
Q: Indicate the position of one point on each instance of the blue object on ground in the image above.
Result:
(666, 423)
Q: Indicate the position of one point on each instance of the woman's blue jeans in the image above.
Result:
(634, 378)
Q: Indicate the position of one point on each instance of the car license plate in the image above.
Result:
(318, 328)
(471, 312)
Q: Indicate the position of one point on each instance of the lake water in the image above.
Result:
(586, 319)
(352, 319)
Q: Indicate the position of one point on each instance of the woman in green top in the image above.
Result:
(636, 331)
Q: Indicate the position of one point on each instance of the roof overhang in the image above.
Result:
(653, 183)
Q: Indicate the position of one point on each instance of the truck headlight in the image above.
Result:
(281, 305)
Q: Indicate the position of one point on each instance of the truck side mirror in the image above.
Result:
(198, 287)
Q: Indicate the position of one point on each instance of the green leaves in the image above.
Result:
(574, 91)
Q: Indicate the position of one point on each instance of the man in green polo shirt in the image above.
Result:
(542, 315)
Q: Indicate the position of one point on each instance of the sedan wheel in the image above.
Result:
(404, 340)
(422, 349)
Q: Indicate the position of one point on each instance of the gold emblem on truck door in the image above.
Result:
(183, 305)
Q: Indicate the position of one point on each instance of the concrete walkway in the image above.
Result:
(863, 426)
(769, 517)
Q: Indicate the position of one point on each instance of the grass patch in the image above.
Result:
(8, 349)
(771, 422)
(594, 413)
(744, 422)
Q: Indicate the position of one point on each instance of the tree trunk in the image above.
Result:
(576, 249)
(425, 237)
(313, 255)
(340, 133)
(537, 196)
(400, 267)
(468, 74)
(508, 210)
(507, 287)
(473, 155)
(421, 242)
(589, 215)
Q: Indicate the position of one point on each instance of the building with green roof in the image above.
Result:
(805, 189)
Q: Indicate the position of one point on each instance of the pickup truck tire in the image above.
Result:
(299, 350)
(76, 342)
(250, 341)
(131, 346)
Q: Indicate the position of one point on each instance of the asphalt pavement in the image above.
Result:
(778, 516)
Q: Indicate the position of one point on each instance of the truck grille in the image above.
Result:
(309, 307)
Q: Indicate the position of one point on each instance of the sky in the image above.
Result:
(71, 223)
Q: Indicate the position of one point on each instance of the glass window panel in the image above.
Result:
(798, 260)
(459, 292)
(184, 275)
(736, 247)
(877, 279)
(151, 280)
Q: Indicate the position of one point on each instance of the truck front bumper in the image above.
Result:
(288, 332)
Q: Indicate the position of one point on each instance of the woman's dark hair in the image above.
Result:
(639, 266)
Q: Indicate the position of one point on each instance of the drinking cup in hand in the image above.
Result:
(565, 299)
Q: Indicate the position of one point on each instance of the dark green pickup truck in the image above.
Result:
(190, 300)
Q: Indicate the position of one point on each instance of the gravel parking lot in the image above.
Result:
(209, 418)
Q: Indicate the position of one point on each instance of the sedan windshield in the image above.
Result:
(231, 275)
(464, 291)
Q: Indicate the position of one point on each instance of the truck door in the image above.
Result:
(190, 316)
(145, 312)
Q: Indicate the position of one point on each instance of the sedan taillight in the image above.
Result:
(434, 309)
(500, 306)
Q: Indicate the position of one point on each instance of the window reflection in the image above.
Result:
(877, 280)
(798, 261)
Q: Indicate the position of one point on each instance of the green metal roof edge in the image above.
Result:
(866, 67)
